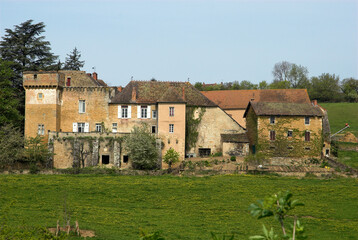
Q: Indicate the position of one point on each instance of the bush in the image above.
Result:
(36, 151)
(218, 154)
(11, 145)
(141, 148)
(171, 157)
(233, 158)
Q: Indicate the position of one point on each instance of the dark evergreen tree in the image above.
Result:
(27, 49)
(9, 113)
(73, 60)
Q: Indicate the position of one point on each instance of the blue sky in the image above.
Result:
(206, 41)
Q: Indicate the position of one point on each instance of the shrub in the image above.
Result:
(36, 151)
(141, 148)
(233, 158)
(171, 157)
(11, 145)
(218, 154)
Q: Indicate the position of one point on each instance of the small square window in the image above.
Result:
(154, 114)
(35, 76)
(40, 96)
(68, 82)
(171, 111)
(272, 119)
(40, 129)
(171, 128)
(154, 129)
(82, 106)
(289, 133)
(114, 127)
(307, 120)
(98, 127)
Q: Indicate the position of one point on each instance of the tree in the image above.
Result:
(171, 157)
(141, 148)
(36, 151)
(263, 85)
(247, 85)
(11, 145)
(349, 87)
(9, 113)
(325, 88)
(73, 60)
(27, 48)
(291, 74)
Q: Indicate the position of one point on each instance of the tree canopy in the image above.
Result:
(73, 61)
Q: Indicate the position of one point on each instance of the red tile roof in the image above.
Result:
(238, 99)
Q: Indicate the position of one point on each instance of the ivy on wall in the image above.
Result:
(192, 123)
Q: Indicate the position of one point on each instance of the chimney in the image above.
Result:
(95, 76)
(314, 102)
(183, 93)
(134, 94)
(120, 88)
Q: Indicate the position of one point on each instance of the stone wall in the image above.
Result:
(215, 122)
(235, 149)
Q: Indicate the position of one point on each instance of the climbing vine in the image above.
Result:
(192, 123)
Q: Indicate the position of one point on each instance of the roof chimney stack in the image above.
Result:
(314, 102)
(95, 76)
(134, 94)
(120, 88)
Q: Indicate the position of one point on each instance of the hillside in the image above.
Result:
(341, 113)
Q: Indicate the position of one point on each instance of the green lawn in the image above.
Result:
(341, 113)
(349, 158)
(116, 207)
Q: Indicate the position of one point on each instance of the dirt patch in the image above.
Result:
(349, 137)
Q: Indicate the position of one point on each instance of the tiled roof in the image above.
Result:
(284, 109)
(158, 91)
(238, 99)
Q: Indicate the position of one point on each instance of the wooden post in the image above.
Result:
(68, 227)
(57, 228)
(77, 228)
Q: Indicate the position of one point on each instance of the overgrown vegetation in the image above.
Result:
(171, 157)
(192, 122)
(141, 148)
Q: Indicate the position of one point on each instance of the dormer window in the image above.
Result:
(68, 82)
(272, 119)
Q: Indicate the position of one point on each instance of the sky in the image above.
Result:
(203, 41)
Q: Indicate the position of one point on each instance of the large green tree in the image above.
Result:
(350, 89)
(325, 88)
(26, 47)
(9, 113)
(290, 75)
(73, 61)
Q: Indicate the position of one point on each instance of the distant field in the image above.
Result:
(116, 207)
(341, 113)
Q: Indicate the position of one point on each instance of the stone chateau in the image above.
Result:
(83, 119)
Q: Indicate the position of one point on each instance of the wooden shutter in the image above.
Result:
(86, 127)
(129, 112)
(74, 127)
(148, 112)
(138, 111)
(119, 111)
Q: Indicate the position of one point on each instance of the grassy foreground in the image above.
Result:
(341, 113)
(116, 207)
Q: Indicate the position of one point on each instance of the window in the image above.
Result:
(307, 136)
(171, 128)
(289, 133)
(204, 152)
(81, 127)
(40, 129)
(105, 159)
(307, 120)
(82, 106)
(171, 111)
(154, 129)
(143, 110)
(35, 76)
(40, 96)
(98, 127)
(154, 114)
(125, 158)
(272, 135)
(68, 82)
(124, 111)
(114, 127)
(272, 119)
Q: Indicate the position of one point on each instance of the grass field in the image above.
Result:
(341, 113)
(116, 207)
